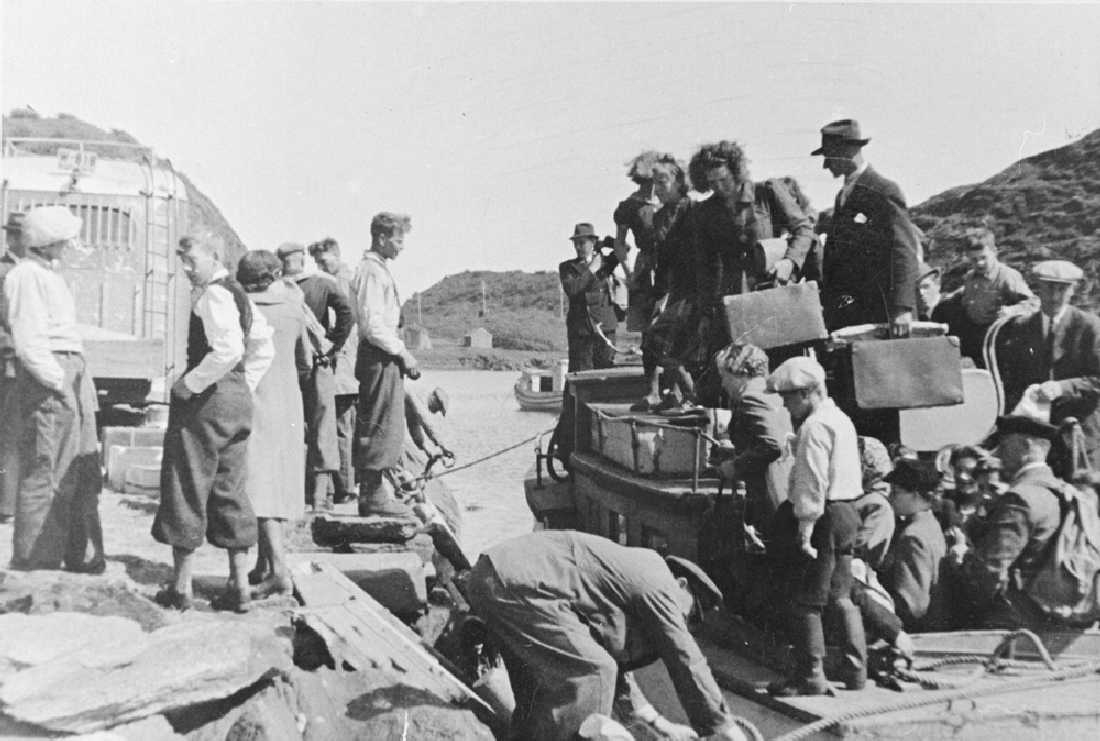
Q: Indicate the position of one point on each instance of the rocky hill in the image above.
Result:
(24, 122)
(1043, 207)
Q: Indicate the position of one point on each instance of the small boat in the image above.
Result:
(642, 480)
(540, 389)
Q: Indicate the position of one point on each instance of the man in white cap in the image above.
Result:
(56, 510)
(814, 533)
(1057, 347)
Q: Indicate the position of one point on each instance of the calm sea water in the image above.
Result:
(483, 418)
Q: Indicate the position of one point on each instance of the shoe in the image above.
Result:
(274, 586)
(232, 601)
(801, 687)
(170, 599)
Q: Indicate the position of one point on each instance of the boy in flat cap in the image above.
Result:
(56, 510)
(203, 474)
(869, 272)
(1058, 348)
(1018, 529)
(815, 531)
(575, 613)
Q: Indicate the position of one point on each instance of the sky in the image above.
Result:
(497, 126)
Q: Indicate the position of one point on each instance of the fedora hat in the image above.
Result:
(584, 230)
(844, 131)
(15, 222)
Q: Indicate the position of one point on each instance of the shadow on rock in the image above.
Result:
(391, 698)
(142, 570)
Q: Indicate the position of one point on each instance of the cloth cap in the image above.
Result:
(874, 460)
(925, 270)
(701, 584)
(441, 399)
(914, 476)
(795, 374)
(741, 360)
(844, 131)
(1057, 271)
(15, 222)
(1018, 424)
(584, 230)
(48, 224)
(289, 248)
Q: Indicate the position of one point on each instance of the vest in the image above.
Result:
(197, 343)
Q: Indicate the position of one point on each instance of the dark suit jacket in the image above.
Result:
(916, 574)
(725, 234)
(589, 297)
(870, 263)
(1073, 359)
(758, 427)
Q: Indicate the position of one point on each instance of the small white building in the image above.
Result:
(479, 337)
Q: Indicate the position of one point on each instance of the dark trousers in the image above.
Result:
(202, 476)
(60, 479)
(319, 405)
(590, 352)
(344, 481)
(559, 673)
(10, 435)
(380, 427)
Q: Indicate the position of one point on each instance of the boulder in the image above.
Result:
(41, 592)
(173, 667)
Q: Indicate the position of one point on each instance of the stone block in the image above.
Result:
(421, 544)
(143, 480)
(334, 530)
(120, 458)
(129, 437)
(396, 580)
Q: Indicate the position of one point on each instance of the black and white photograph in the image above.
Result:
(540, 371)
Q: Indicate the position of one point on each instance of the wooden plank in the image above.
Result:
(360, 632)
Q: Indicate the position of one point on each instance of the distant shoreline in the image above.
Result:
(489, 359)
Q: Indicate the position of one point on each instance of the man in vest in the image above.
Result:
(202, 477)
(56, 509)
(1019, 527)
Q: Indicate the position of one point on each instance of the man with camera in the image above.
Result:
(591, 321)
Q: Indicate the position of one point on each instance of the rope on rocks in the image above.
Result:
(429, 475)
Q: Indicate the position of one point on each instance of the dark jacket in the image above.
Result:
(870, 263)
(589, 297)
(758, 427)
(1072, 357)
(916, 574)
(322, 292)
(1018, 529)
(725, 234)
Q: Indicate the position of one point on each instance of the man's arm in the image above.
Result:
(336, 302)
(259, 349)
(810, 473)
(1085, 387)
(27, 318)
(795, 220)
(904, 271)
(221, 322)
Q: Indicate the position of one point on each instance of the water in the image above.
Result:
(483, 417)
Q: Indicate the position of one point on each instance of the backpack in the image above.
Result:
(1066, 585)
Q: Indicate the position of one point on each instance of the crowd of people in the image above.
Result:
(292, 397)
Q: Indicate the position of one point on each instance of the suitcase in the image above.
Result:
(908, 373)
(776, 317)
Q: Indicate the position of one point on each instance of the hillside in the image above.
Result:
(522, 308)
(27, 123)
(1043, 207)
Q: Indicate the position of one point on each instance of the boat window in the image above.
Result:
(546, 383)
(616, 527)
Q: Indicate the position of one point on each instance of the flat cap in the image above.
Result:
(795, 374)
(701, 584)
(1019, 424)
(1057, 271)
(914, 476)
(49, 224)
(289, 248)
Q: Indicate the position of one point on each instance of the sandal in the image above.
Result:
(232, 601)
(170, 599)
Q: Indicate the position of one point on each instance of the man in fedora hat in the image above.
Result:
(869, 272)
(9, 434)
(575, 613)
(1019, 527)
(591, 321)
(1057, 347)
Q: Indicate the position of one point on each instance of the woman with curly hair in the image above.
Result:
(635, 215)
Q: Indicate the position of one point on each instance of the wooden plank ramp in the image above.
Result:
(362, 634)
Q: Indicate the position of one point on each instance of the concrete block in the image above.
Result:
(334, 530)
(120, 458)
(396, 580)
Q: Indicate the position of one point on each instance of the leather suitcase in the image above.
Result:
(776, 317)
(907, 374)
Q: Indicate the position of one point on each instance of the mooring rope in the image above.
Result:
(429, 475)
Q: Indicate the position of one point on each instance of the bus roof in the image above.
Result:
(109, 177)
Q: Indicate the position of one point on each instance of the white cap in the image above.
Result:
(48, 224)
(795, 374)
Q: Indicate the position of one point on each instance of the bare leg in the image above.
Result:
(263, 558)
(182, 563)
(238, 597)
(279, 580)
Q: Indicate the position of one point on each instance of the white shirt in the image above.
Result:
(42, 318)
(826, 462)
(376, 304)
(221, 323)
